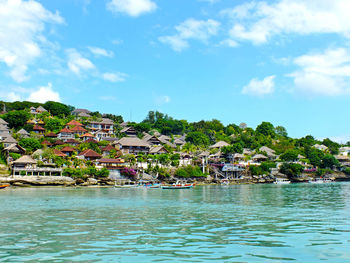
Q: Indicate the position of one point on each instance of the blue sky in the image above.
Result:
(284, 61)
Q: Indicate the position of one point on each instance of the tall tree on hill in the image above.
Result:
(266, 128)
(57, 108)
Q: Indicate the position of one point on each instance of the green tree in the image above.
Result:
(266, 129)
(329, 161)
(197, 138)
(289, 156)
(30, 144)
(57, 108)
(17, 119)
(291, 169)
(281, 131)
(54, 124)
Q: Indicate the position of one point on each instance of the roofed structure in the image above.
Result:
(219, 145)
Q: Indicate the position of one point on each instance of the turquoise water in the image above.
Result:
(246, 223)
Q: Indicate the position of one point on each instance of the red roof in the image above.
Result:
(51, 134)
(108, 148)
(78, 129)
(71, 141)
(74, 123)
(67, 149)
(65, 130)
(46, 143)
(90, 153)
(91, 140)
(59, 153)
(87, 135)
(38, 128)
(58, 142)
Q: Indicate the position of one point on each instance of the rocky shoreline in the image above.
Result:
(26, 181)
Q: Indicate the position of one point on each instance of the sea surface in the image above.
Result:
(243, 223)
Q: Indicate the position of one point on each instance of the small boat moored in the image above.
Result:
(178, 185)
(2, 186)
(281, 181)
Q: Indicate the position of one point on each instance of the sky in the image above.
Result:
(283, 61)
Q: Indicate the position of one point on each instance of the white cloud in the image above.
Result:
(260, 87)
(258, 22)
(76, 62)
(21, 34)
(162, 99)
(114, 77)
(327, 73)
(100, 52)
(191, 29)
(43, 94)
(10, 96)
(131, 7)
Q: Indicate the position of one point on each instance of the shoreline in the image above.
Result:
(63, 181)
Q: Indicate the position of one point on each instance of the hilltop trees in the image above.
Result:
(57, 108)
(17, 119)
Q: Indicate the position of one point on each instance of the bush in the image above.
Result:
(189, 172)
(347, 171)
(291, 169)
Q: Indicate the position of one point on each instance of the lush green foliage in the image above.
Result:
(54, 124)
(197, 138)
(289, 156)
(291, 169)
(189, 172)
(58, 109)
(17, 119)
(30, 144)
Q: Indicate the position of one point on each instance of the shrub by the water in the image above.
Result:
(189, 172)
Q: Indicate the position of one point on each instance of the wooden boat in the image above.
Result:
(2, 186)
(178, 185)
(127, 185)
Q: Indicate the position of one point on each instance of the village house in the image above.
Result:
(270, 153)
(72, 142)
(26, 165)
(78, 130)
(73, 123)
(89, 155)
(4, 129)
(151, 139)
(158, 150)
(129, 131)
(111, 164)
(67, 150)
(65, 134)
(105, 124)
(132, 145)
(46, 143)
(8, 140)
(107, 150)
(321, 147)
(51, 135)
(23, 133)
(77, 112)
(14, 148)
(59, 153)
(344, 151)
(38, 129)
(219, 145)
(86, 136)
(258, 158)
